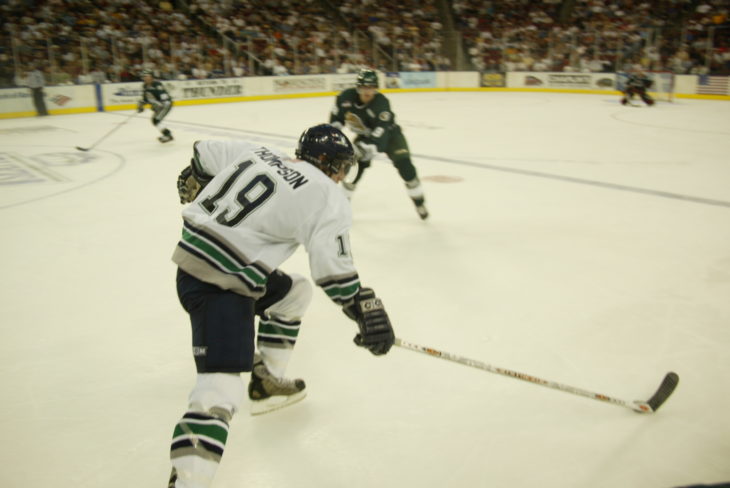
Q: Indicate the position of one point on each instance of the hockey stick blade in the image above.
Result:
(665, 390)
(112, 131)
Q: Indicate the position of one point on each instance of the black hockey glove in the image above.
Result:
(140, 107)
(376, 333)
(187, 186)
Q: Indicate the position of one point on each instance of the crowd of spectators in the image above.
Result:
(85, 41)
(279, 37)
(80, 41)
(409, 32)
(596, 35)
(329, 36)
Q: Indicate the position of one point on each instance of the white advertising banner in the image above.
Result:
(565, 81)
(342, 82)
(117, 94)
(298, 84)
(114, 94)
(71, 98)
(202, 89)
(16, 102)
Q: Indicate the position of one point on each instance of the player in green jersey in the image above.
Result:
(154, 94)
(366, 112)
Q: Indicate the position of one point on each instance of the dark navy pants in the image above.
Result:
(223, 322)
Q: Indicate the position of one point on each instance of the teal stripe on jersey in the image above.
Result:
(221, 258)
(340, 293)
(272, 329)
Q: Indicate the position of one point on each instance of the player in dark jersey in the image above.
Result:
(154, 94)
(637, 84)
(367, 113)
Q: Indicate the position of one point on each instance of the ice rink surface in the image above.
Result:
(570, 238)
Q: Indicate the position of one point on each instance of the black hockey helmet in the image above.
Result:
(326, 147)
(367, 77)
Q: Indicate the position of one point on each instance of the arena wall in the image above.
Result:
(68, 99)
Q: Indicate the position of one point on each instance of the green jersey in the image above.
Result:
(373, 122)
(155, 94)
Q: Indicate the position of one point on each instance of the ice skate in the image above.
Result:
(419, 202)
(166, 136)
(268, 392)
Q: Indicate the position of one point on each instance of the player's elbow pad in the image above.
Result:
(200, 176)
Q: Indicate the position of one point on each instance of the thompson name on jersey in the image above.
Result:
(255, 212)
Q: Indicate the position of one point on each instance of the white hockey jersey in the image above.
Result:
(256, 211)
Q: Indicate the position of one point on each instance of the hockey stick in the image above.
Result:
(667, 386)
(129, 117)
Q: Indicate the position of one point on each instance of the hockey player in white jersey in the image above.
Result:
(251, 208)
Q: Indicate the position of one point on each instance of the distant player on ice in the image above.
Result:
(155, 95)
(251, 209)
(637, 84)
(366, 112)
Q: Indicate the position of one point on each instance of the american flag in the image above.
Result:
(713, 85)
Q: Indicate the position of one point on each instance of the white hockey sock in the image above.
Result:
(194, 472)
(276, 339)
(276, 359)
(414, 188)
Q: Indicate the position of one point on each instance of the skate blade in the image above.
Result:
(259, 407)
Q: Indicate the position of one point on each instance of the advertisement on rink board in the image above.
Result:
(575, 81)
(65, 99)
(418, 79)
(16, 100)
(299, 84)
(130, 93)
(59, 99)
(123, 93)
(492, 80)
(569, 80)
(213, 88)
(410, 79)
(220, 88)
(342, 82)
